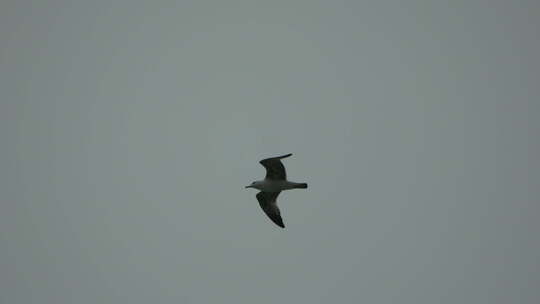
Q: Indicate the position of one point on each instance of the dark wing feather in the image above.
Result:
(274, 168)
(267, 200)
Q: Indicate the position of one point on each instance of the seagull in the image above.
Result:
(274, 182)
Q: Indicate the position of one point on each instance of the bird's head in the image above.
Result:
(252, 185)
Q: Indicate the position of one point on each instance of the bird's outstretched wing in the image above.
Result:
(274, 168)
(267, 200)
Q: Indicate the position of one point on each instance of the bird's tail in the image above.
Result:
(301, 186)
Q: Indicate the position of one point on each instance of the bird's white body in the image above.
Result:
(268, 185)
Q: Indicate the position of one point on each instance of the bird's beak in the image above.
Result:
(248, 186)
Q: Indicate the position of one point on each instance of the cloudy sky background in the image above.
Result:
(129, 128)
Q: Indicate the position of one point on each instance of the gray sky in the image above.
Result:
(129, 129)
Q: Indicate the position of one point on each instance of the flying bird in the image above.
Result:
(274, 182)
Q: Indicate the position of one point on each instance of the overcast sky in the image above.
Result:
(128, 131)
